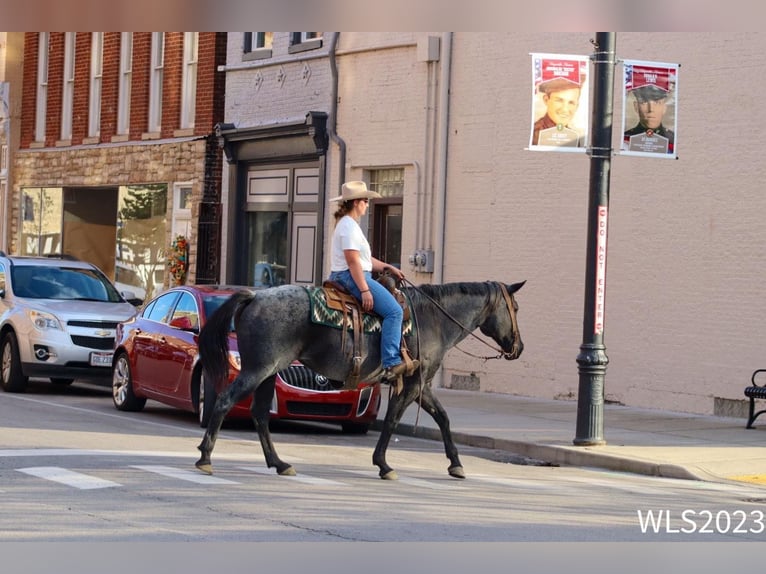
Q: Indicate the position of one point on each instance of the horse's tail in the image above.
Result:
(214, 337)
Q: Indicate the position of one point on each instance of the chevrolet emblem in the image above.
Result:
(103, 333)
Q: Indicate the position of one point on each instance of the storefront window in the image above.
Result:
(267, 237)
(141, 239)
(41, 220)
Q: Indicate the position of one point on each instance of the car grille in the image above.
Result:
(302, 377)
(94, 324)
(318, 409)
(94, 342)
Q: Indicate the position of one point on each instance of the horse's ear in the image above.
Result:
(516, 286)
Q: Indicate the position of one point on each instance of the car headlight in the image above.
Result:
(234, 359)
(43, 321)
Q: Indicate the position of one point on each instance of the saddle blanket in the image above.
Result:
(321, 314)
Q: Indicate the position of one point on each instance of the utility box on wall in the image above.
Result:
(428, 48)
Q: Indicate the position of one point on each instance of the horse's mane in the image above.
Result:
(446, 290)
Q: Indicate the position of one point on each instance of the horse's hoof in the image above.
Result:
(287, 471)
(390, 475)
(456, 471)
(205, 467)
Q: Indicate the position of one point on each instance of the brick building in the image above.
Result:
(117, 154)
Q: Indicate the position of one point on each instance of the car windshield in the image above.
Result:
(64, 283)
(213, 302)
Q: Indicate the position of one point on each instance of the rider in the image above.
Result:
(352, 266)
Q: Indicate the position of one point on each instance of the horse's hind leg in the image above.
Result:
(239, 389)
(433, 407)
(397, 404)
(260, 411)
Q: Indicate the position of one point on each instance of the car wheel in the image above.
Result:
(122, 386)
(61, 381)
(206, 401)
(11, 378)
(355, 428)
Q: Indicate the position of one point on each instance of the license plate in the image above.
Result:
(101, 359)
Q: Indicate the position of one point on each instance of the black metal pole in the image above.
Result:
(592, 360)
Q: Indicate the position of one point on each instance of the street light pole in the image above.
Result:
(592, 360)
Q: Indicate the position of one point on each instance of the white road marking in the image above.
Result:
(188, 475)
(303, 478)
(68, 477)
(451, 484)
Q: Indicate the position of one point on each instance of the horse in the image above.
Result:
(274, 328)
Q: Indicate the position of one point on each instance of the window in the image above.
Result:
(68, 94)
(126, 72)
(188, 103)
(386, 216)
(3, 159)
(182, 203)
(155, 89)
(257, 45)
(96, 77)
(302, 41)
(41, 220)
(142, 234)
(42, 86)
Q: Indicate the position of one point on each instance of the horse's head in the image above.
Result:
(502, 323)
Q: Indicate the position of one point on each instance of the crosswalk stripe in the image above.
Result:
(444, 485)
(303, 478)
(68, 477)
(186, 475)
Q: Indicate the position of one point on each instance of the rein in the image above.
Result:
(511, 311)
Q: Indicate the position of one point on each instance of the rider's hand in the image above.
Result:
(367, 301)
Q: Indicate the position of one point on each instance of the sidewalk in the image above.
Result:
(642, 441)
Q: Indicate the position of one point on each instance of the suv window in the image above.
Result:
(67, 283)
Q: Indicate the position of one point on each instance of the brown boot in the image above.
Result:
(391, 373)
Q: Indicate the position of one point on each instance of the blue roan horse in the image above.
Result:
(274, 328)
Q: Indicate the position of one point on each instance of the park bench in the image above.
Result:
(755, 391)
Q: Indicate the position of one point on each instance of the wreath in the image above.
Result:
(178, 259)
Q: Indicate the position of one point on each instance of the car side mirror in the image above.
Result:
(183, 323)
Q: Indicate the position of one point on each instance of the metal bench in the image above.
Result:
(755, 392)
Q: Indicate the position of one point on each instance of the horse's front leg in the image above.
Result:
(397, 404)
(260, 412)
(223, 404)
(434, 408)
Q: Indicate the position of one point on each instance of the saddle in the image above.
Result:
(339, 299)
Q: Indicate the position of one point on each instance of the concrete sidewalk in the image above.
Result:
(642, 441)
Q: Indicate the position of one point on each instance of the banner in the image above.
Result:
(559, 103)
(649, 112)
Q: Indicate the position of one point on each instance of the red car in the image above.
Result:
(156, 357)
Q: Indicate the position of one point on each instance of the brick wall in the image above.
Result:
(139, 89)
(81, 100)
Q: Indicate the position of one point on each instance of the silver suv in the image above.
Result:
(57, 320)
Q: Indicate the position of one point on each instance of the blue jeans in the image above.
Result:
(385, 305)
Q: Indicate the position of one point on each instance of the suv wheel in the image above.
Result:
(11, 378)
(122, 386)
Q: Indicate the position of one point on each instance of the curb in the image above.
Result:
(552, 454)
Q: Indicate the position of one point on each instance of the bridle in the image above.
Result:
(511, 311)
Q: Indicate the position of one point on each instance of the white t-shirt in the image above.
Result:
(348, 235)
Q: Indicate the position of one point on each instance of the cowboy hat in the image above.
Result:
(355, 190)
